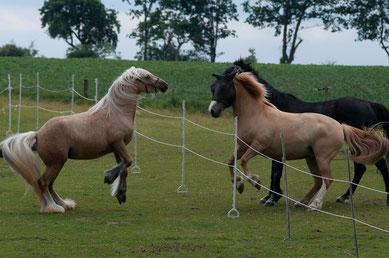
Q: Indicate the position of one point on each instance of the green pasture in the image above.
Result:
(155, 220)
(190, 81)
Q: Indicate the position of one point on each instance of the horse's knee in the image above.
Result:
(43, 183)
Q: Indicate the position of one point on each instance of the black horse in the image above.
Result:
(349, 110)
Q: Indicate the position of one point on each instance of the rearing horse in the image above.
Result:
(106, 127)
(310, 136)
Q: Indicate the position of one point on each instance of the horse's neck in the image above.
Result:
(289, 103)
(246, 106)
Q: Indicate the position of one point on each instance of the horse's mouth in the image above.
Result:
(215, 108)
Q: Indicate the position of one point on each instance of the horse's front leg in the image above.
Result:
(119, 172)
(250, 153)
(239, 181)
(113, 173)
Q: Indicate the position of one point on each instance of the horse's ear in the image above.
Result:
(216, 76)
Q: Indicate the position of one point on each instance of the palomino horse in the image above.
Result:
(106, 127)
(314, 137)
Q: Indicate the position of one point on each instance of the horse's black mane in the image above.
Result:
(275, 95)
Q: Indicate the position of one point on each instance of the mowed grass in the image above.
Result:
(191, 81)
(156, 221)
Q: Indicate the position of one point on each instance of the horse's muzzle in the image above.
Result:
(215, 108)
(162, 85)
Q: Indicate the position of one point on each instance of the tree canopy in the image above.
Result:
(83, 24)
(286, 17)
(370, 18)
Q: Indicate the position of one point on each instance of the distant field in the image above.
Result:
(156, 221)
(191, 80)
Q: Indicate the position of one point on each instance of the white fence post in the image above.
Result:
(234, 213)
(37, 100)
(352, 205)
(9, 106)
(97, 92)
(20, 101)
(135, 168)
(182, 189)
(72, 100)
(288, 235)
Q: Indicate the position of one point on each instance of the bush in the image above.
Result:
(11, 49)
(82, 52)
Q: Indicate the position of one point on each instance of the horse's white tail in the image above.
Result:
(17, 151)
(115, 186)
(366, 146)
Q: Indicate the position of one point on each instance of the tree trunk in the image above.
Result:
(284, 58)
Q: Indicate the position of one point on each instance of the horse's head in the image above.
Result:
(144, 81)
(223, 91)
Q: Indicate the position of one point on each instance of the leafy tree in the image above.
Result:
(252, 57)
(144, 9)
(11, 49)
(209, 19)
(83, 24)
(369, 17)
(286, 17)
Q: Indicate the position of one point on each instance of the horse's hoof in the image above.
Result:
(240, 187)
(341, 199)
(53, 208)
(121, 198)
(255, 181)
(108, 179)
(270, 202)
(69, 204)
(276, 196)
(264, 199)
(300, 204)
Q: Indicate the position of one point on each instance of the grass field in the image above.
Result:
(156, 221)
(190, 81)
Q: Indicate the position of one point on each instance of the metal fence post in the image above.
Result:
(9, 131)
(37, 100)
(234, 213)
(20, 101)
(352, 206)
(182, 189)
(287, 210)
(72, 100)
(135, 168)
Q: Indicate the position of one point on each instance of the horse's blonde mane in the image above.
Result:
(120, 94)
(253, 87)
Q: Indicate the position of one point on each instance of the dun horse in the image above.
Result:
(349, 110)
(314, 137)
(106, 127)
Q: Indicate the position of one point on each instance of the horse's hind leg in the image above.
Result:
(359, 170)
(383, 168)
(325, 171)
(312, 165)
(275, 189)
(48, 203)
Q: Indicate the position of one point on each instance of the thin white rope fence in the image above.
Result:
(38, 107)
(255, 182)
(184, 148)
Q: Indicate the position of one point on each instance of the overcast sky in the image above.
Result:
(20, 22)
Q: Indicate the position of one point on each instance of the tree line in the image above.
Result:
(191, 30)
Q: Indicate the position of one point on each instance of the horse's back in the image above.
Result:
(355, 112)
